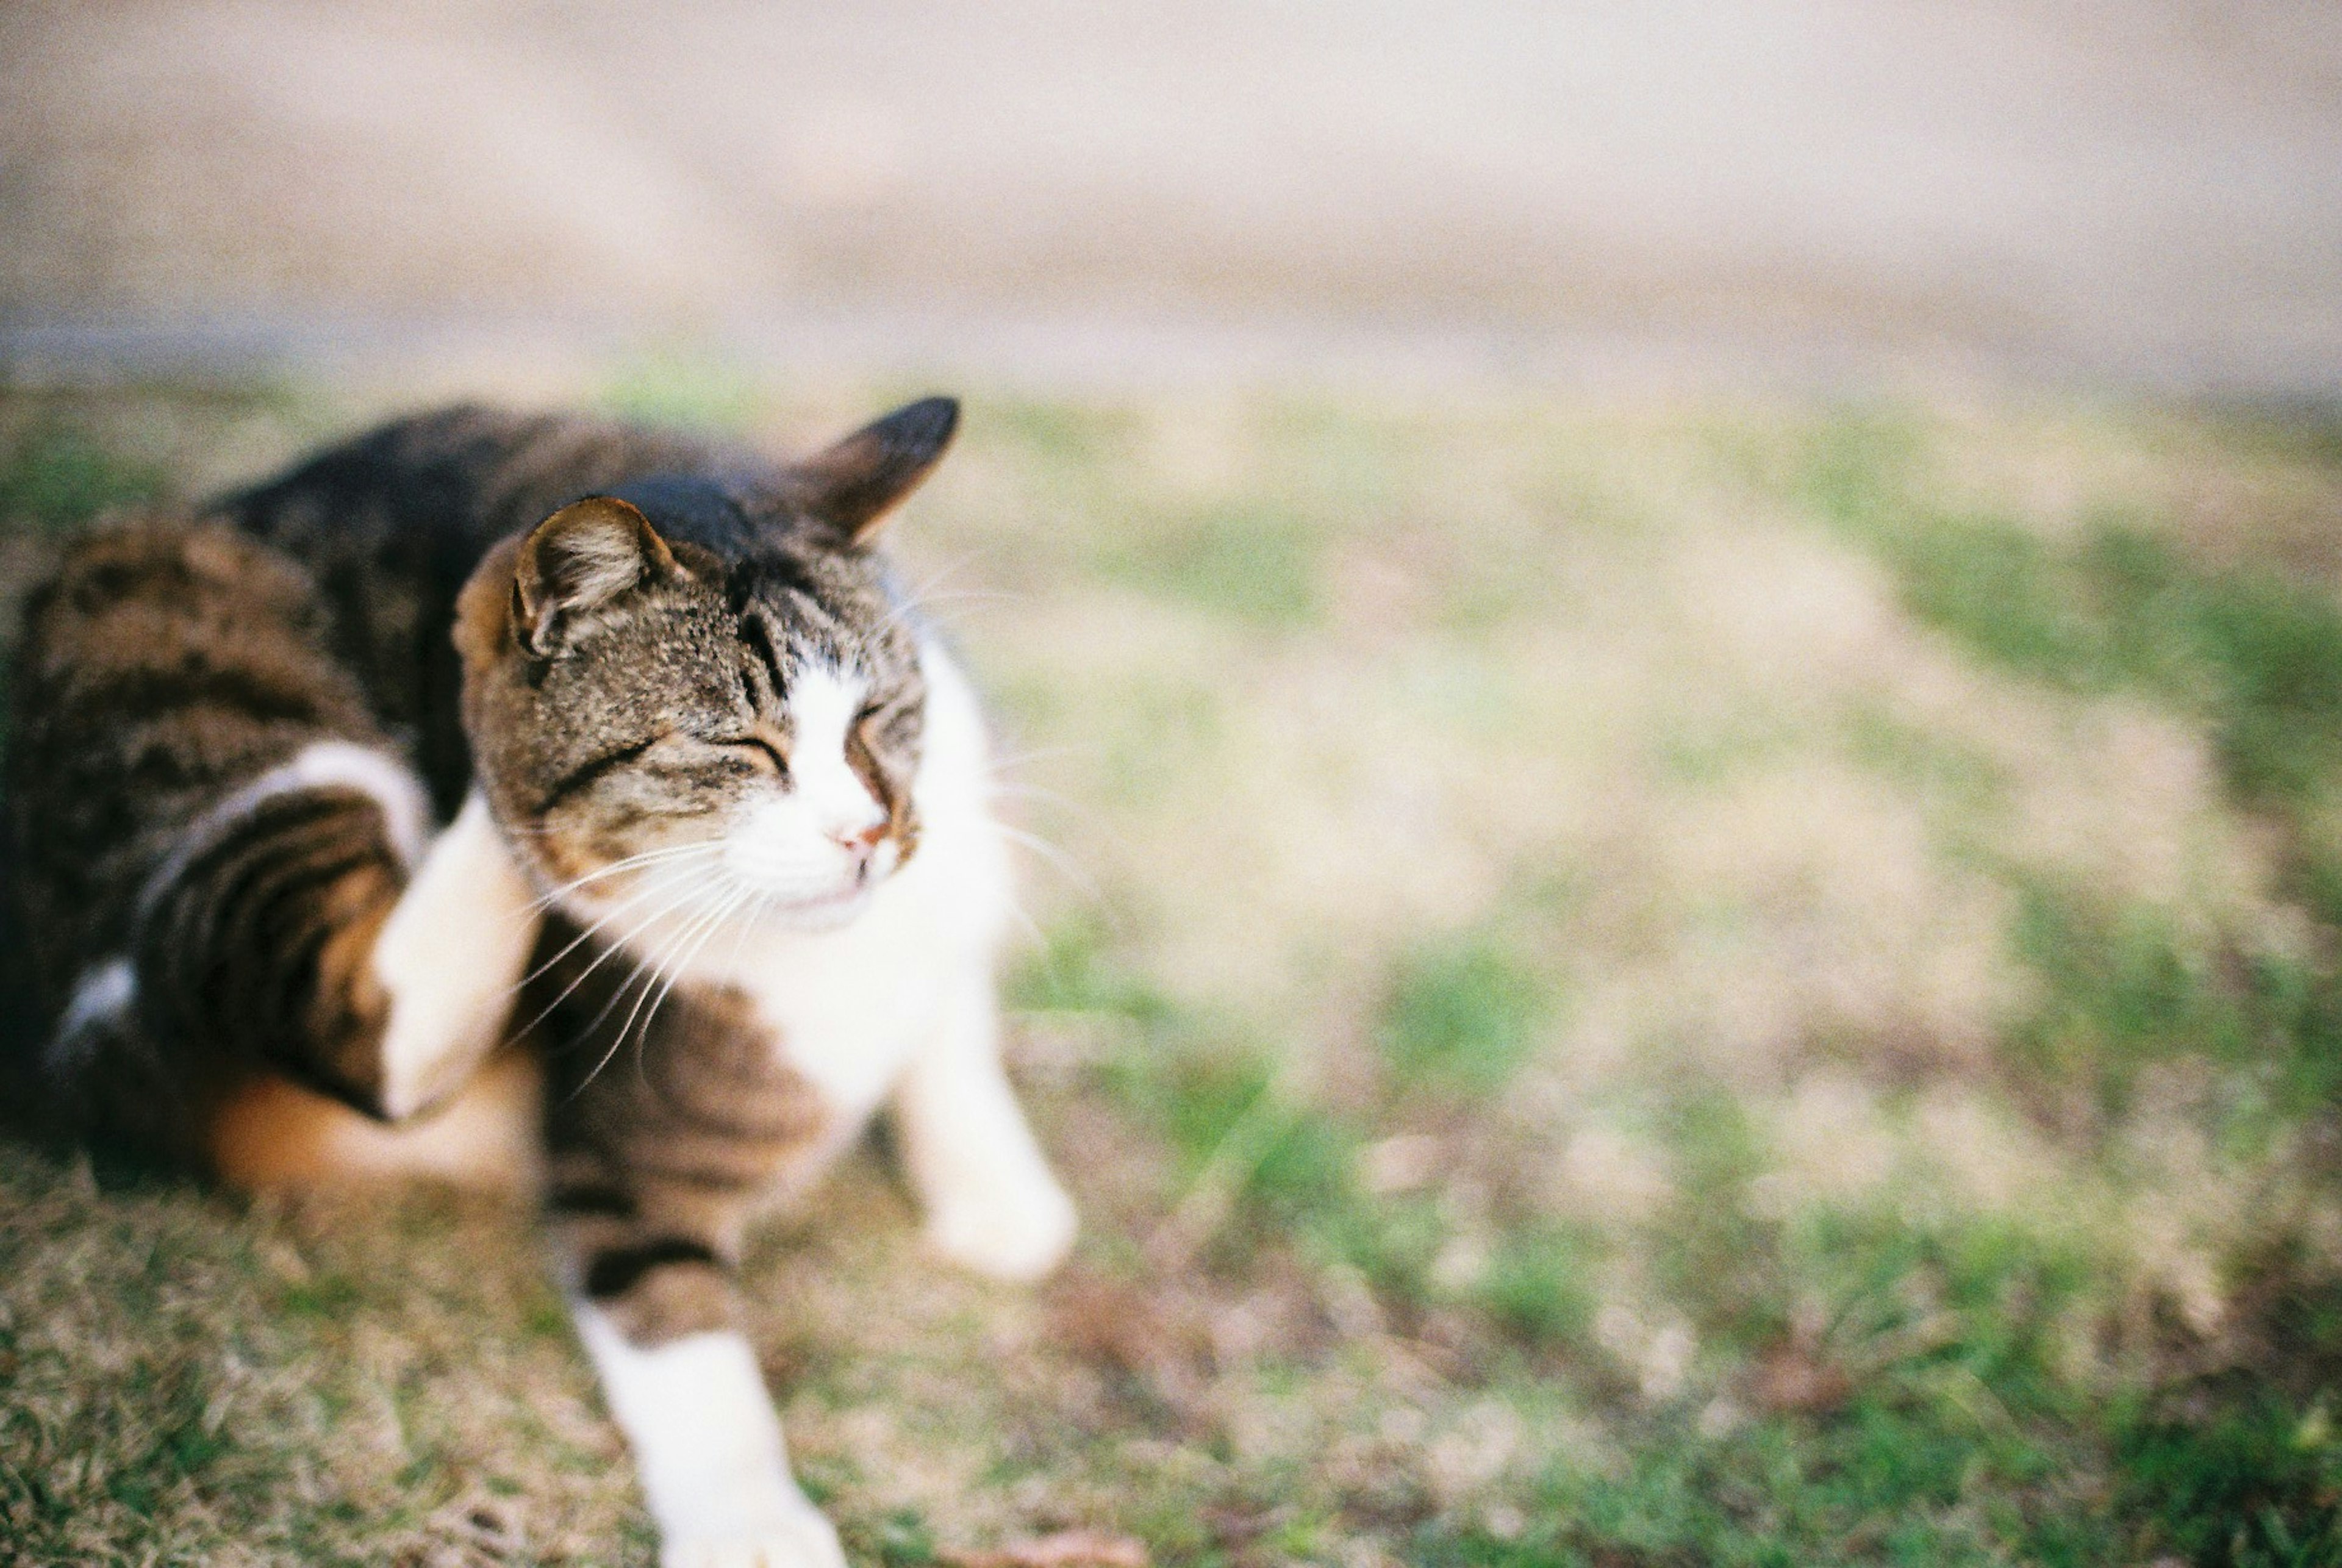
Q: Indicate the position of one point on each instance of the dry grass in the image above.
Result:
(1632, 984)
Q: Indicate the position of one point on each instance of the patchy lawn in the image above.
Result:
(1621, 984)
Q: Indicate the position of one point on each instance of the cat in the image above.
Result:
(709, 798)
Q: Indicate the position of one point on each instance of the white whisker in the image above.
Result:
(1032, 928)
(915, 602)
(938, 577)
(706, 933)
(758, 903)
(1066, 803)
(646, 969)
(657, 964)
(1056, 857)
(652, 886)
(600, 959)
(642, 964)
(964, 596)
(648, 857)
(1038, 753)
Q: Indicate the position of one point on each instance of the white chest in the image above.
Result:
(849, 1007)
(846, 1009)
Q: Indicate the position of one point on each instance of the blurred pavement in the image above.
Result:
(2146, 192)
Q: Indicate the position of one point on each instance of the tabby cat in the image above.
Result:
(306, 790)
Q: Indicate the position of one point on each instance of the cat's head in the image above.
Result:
(698, 697)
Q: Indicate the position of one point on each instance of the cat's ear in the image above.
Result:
(577, 560)
(854, 484)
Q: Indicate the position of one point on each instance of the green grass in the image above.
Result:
(2226, 1468)
(1635, 989)
(1253, 566)
(57, 476)
(2115, 606)
(1462, 1016)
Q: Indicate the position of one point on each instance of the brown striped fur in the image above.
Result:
(653, 1172)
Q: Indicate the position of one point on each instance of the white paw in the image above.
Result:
(448, 958)
(803, 1539)
(1013, 1233)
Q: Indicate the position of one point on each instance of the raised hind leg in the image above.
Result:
(219, 861)
(288, 932)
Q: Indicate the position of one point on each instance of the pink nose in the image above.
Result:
(861, 840)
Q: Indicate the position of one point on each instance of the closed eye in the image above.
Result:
(766, 756)
(880, 721)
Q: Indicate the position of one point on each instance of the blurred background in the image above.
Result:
(1672, 676)
(2141, 193)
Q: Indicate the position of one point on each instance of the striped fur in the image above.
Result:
(655, 1171)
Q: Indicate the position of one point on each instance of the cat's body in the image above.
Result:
(669, 707)
(200, 800)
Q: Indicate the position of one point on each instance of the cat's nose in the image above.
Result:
(859, 841)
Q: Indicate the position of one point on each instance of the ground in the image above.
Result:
(1620, 982)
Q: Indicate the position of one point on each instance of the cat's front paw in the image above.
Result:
(1018, 1233)
(801, 1539)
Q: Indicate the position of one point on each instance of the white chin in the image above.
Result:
(820, 913)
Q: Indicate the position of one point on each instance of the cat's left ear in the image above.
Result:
(854, 485)
(577, 560)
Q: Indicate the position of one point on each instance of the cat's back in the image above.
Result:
(438, 488)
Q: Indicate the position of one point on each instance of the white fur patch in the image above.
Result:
(322, 765)
(850, 1006)
(104, 992)
(905, 983)
(824, 703)
(449, 956)
(708, 1447)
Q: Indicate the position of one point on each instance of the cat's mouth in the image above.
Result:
(810, 887)
(687, 897)
(823, 910)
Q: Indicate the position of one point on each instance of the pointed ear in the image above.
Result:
(577, 560)
(854, 485)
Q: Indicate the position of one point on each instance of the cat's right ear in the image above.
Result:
(854, 485)
(577, 561)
